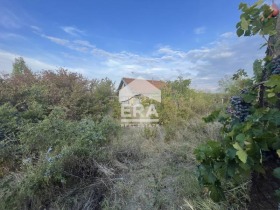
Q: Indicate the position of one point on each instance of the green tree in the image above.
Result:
(19, 66)
(231, 85)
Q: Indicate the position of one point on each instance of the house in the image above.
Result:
(132, 90)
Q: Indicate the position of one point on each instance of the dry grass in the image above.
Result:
(156, 172)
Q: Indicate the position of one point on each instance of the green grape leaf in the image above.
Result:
(277, 193)
(238, 25)
(276, 172)
(242, 5)
(246, 168)
(231, 153)
(247, 126)
(263, 145)
(231, 170)
(244, 24)
(247, 32)
(212, 117)
(216, 193)
(239, 32)
(270, 95)
(278, 152)
(249, 98)
(274, 82)
(241, 154)
(211, 178)
(240, 138)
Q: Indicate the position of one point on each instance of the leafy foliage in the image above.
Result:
(256, 19)
(232, 85)
(19, 67)
(179, 102)
(79, 96)
(54, 128)
(245, 142)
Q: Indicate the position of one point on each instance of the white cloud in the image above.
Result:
(77, 45)
(200, 30)
(56, 40)
(74, 31)
(227, 35)
(7, 59)
(84, 43)
(37, 65)
(36, 29)
(205, 65)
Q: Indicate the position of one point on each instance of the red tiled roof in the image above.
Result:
(157, 83)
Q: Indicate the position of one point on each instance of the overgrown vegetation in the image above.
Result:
(61, 145)
(54, 130)
(250, 145)
(160, 174)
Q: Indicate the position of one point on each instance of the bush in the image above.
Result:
(10, 150)
(60, 155)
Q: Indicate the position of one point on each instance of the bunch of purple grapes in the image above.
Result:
(275, 66)
(239, 108)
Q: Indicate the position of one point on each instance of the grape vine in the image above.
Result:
(2, 136)
(275, 66)
(250, 128)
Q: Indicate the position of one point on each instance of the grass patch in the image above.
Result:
(159, 173)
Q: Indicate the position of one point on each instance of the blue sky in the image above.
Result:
(154, 39)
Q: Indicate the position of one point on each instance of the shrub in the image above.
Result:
(59, 155)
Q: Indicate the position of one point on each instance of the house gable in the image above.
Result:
(130, 88)
(157, 83)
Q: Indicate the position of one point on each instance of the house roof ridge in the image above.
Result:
(130, 78)
(156, 83)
